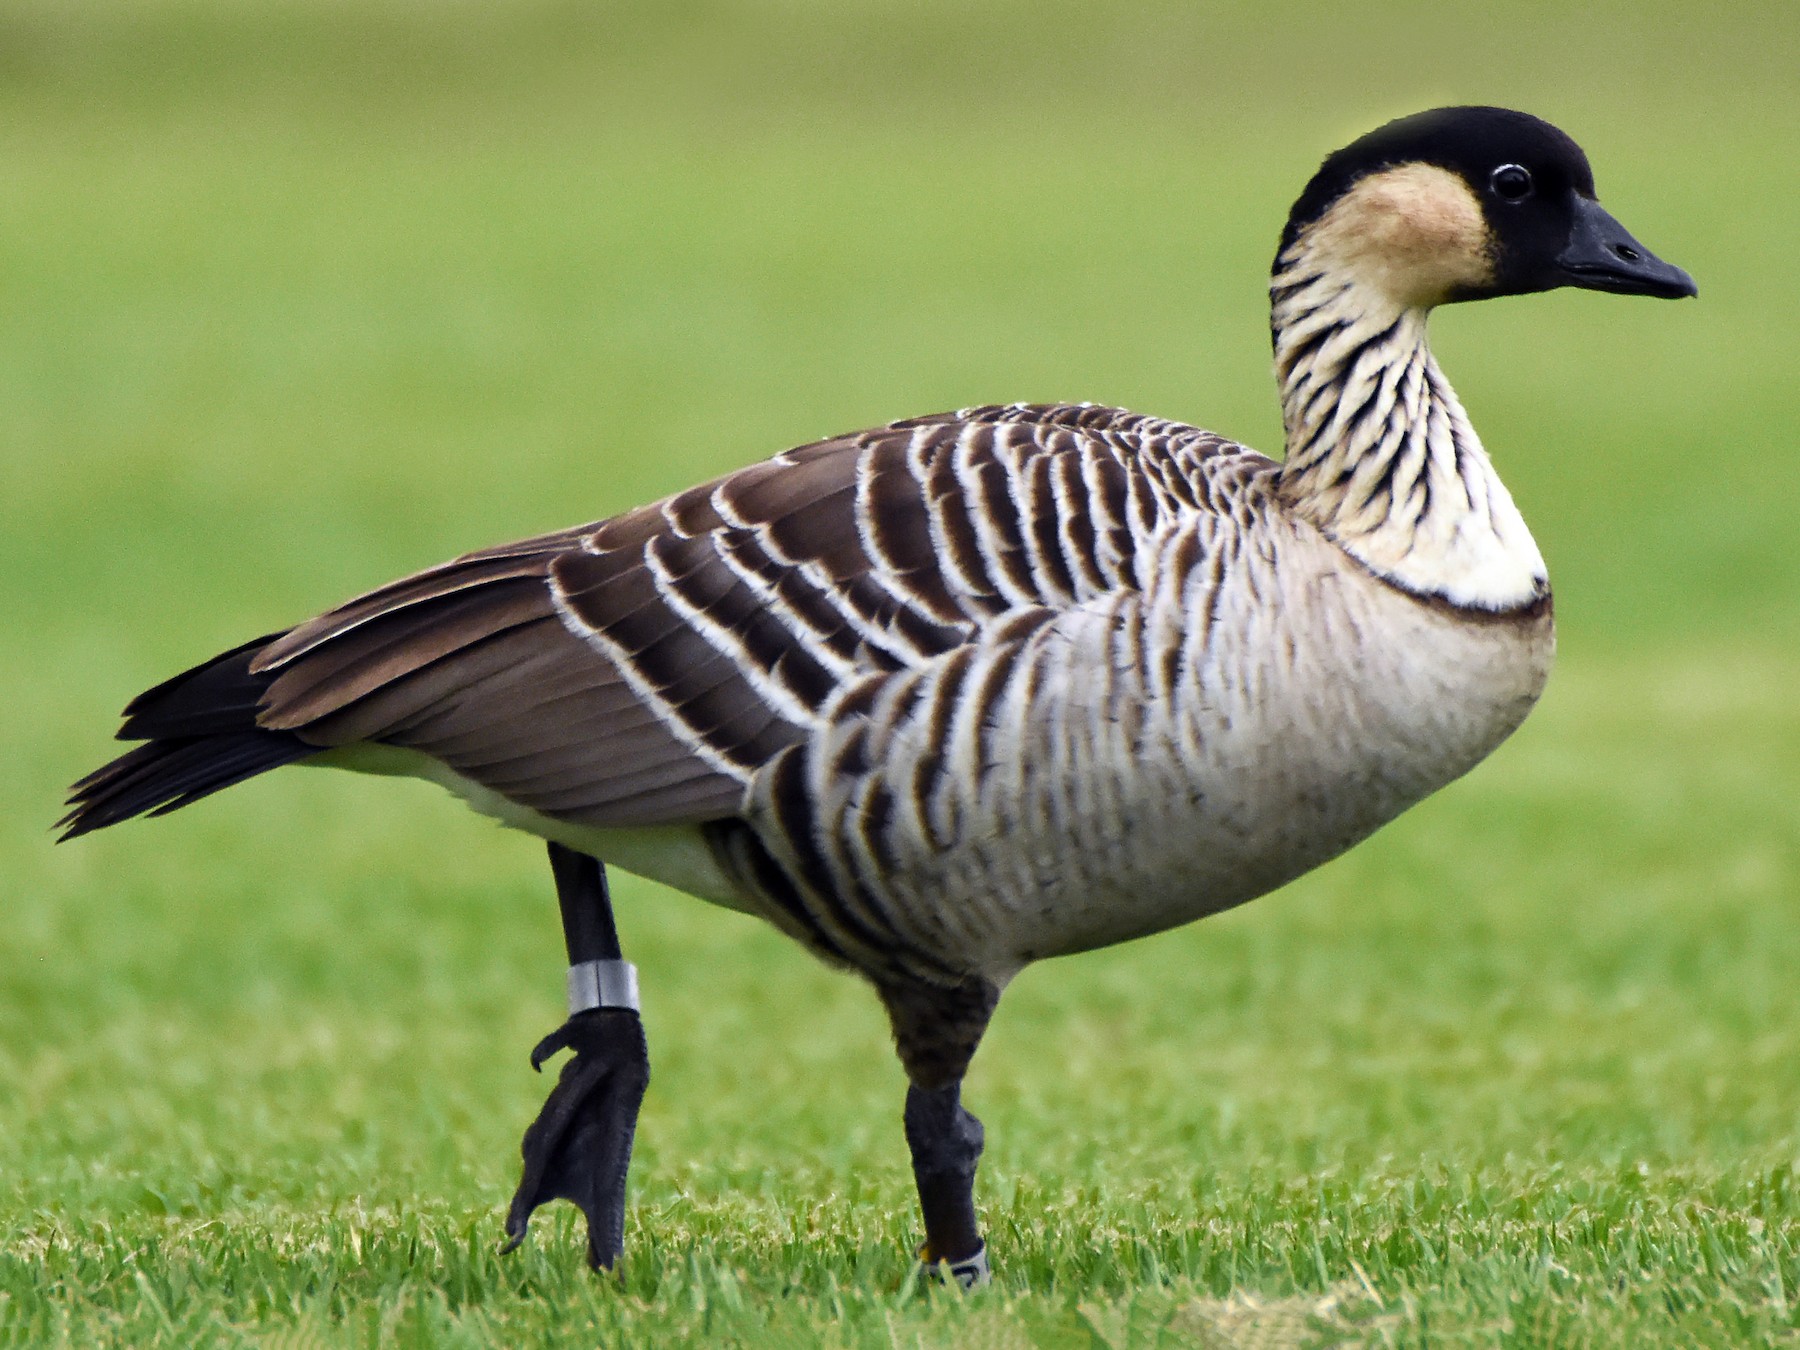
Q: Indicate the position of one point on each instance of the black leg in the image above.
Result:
(579, 1147)
(936, 1031)
(589, 933)
(946, 1146)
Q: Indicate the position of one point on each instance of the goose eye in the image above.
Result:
(1511, 183)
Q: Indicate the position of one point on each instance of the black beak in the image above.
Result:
(1602, 256)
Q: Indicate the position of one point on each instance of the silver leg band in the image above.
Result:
(973, 1271)
(602, 984)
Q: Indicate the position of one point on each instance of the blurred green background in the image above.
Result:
(304, 294)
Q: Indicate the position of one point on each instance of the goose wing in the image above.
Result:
(638, 671)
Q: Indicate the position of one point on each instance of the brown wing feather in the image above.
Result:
(471, 664)
(432, 585)
(640, 670)
(334, 672)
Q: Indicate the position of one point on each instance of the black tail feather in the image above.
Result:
(215, 696)
(201, 734)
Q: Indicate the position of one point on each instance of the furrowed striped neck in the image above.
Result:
(1380, 455)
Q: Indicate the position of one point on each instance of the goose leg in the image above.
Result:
(579, 1147)
(946, 1140)
(936, 1032)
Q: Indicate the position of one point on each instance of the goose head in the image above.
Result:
(1464, 204)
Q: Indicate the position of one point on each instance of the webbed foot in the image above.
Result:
(579, 1147)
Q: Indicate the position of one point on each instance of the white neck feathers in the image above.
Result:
(1380, 455)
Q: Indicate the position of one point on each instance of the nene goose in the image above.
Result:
(964, 692)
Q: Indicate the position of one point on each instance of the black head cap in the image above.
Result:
(1535, 190)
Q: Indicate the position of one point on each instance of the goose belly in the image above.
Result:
(676, 855)
(1105, 804)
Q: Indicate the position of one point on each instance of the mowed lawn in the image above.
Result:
(301, 296)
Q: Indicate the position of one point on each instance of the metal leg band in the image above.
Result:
(602, 984)
(970, 1272)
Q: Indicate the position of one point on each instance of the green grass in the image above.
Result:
(300, 296)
